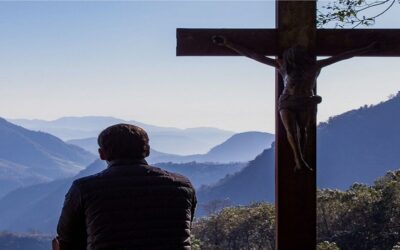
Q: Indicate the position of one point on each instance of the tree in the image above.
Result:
(396, 247)
(360, 218)
(240, 227)
(326, 245)
(363, 217)
(352, 13)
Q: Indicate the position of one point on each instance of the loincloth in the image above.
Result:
(298, 103)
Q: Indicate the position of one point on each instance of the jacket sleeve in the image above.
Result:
(71, 227)
(194, 204)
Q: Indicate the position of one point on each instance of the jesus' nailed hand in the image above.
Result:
(297, 103)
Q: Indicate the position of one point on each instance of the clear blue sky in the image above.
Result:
(118, 59)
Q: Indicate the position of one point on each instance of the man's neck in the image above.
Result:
(120, 162)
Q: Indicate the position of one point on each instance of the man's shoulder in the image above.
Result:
(171, 175)
(88, 179)
(155, 171)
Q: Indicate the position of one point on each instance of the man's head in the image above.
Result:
(123, 141)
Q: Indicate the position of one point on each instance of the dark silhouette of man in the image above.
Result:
(129, 205)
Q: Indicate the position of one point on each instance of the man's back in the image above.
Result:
(130, 205)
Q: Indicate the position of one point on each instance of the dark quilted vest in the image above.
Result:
(136, 206)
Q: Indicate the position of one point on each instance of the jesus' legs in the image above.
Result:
(305, 120)
(290, 122)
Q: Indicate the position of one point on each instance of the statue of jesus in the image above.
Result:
(297, 104)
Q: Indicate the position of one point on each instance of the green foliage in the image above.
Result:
(352, 13)
(250, 227)
(396, 247)
(326, 245)
(363, 217)
(195, 242)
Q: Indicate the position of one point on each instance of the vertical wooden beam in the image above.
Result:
(295, 193)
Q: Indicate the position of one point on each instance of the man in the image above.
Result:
(130, 205)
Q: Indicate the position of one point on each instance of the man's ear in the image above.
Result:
(147, 151)
(280, 62)
(102, 154)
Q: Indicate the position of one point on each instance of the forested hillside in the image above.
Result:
(357, 146)
(39, 206)
(360, 218)
(28, 157)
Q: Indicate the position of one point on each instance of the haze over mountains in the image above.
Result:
(164, 139)
(29, 157)
(357, 146)
(241, 147)
(39, 206)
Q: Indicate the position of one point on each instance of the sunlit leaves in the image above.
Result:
(352, 13)
(250, 227)
(363, 217)
(326, 245)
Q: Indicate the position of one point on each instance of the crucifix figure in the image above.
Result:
(295, 193)
(297, 104)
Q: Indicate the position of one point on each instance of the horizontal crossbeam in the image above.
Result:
(197, 42)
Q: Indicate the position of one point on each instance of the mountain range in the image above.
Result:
(28, 157)
(241, 147)
(253, 183)
(38, 207)
(164, 139)
(357, 146)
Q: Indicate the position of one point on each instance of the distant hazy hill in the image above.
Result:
(28, 157)
(202, 173)
(255, 182)
(357, 146)
(360, 145)
(240, 147)
(165, 139)
(32, 241)
(14, 175)
(90, 144)
(39, 206)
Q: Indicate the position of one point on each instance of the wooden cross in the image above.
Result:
(295, 24)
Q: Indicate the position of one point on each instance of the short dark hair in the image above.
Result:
(124, 141)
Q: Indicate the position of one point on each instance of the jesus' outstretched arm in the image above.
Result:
(223, 41)
(346, 55)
